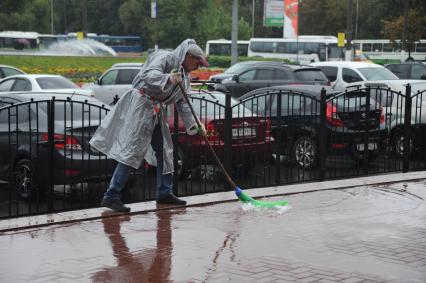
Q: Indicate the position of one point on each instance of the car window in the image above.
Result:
(265, 74)
(21, 85)
(247, 76)
(236, 69)
(109, 78)
(330, 72)
(125, 77)
(10, 115)
(281, 75)
(75, 111)
(10, 72)
(401, 71)
(6, 85)
(310, 75)
(417, 72)
(350, 76)
(290, 104)
(377, 73)
(55, 83)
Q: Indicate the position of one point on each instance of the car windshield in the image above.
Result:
(209, 108)
(235, 69)
(55, 83)
(75, 111)
(310, 75)
(419, 87)
(375, 73)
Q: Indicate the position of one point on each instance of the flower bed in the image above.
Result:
(204, 74)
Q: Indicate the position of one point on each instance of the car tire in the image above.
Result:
(305, 152)
(181, 169)
(398, 144)
(25, 182)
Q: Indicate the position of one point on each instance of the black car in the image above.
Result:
(408, 70)
(25, 136)
(254, 75)
(297, 129)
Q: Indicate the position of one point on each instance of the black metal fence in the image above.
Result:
(272, 138)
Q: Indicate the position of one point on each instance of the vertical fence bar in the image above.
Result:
(228, 135)
(407, 125)
(322, 135)
(50, 149)
(279, 139)
(366, 131)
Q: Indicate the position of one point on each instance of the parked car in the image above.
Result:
(114, 82)
(299, 124)
(408, 70)
(387, 94)
(263, 74)
(24, 141)
(6, 71)
(343, 73)
(251, 136)
(41, 82)
(235, 69)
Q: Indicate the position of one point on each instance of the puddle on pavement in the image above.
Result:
(195, 243)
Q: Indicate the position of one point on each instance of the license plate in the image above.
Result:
(371, 146)
(243, 132)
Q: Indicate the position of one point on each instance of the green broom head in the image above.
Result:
(242, 196)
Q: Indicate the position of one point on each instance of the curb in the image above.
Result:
(36, 221)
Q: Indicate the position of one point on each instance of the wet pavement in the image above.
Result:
(361, 234)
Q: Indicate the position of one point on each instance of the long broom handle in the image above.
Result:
(228, 178)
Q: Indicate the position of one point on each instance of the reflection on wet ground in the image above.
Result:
(362, 234)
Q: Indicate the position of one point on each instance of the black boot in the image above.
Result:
(115, 204)
(170, 199)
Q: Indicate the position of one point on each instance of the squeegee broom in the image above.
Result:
(242, 196)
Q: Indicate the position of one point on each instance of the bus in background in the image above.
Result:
(222, 47)
(304, 49)
(19, 40)
(119, 43)
(387, 50)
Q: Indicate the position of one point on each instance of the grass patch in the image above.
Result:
(48, 62)
(78, 69)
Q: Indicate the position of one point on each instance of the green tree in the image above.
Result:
(416, 27)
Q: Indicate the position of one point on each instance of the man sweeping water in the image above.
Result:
(136, 128)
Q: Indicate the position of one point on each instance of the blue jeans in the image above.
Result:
(122, 171)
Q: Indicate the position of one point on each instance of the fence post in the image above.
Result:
(50, 149)
(322, 134)
(407, 126)
(278, 140)
(366, 130)
(227, 135)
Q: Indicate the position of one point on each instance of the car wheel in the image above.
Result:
(398, 144)
(25, 182)
(305, 152)
(181, 164)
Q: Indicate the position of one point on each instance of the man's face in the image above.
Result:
(191, 63)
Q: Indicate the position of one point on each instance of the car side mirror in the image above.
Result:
(97, 82)
(236, 78)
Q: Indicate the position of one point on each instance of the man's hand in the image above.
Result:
(201, 130)
(175, 77)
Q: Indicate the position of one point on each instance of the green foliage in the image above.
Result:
(416, 26)
(199, 19)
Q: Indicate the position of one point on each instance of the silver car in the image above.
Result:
(114, 82)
